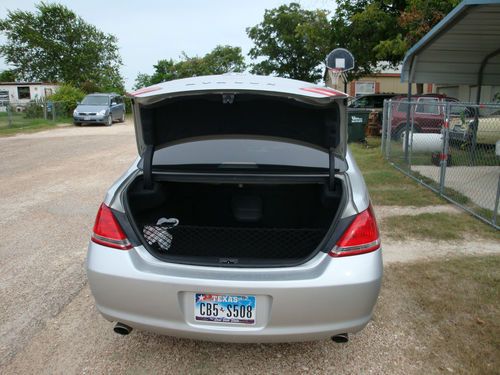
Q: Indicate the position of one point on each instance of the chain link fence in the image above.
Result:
(451, 147)
(17, 115)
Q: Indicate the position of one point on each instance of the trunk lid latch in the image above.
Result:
(228, 260)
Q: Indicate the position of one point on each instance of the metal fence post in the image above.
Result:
(497, 200)
(384, 119)
(409, 144)
(45, 110)
(388, 123)
(9, 114)
(444, 154)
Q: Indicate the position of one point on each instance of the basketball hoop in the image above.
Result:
(338, 62)
(335, 74)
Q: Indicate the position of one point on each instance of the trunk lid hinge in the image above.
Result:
(147, 166)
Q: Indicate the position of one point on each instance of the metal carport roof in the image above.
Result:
(454, 50)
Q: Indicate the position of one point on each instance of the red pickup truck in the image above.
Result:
(428, 113)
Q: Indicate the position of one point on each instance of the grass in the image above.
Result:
(387, 185)
(451, 308)
(437, 226)
(21, 124)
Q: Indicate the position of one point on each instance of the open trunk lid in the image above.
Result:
(243, 106)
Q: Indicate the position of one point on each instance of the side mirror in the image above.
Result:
(78, 103)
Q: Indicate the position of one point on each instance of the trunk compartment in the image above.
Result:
(234, 223)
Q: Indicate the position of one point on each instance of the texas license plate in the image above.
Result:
(220, 308)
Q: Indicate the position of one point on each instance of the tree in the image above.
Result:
(383, 30)
(291, 42)
(221, 59)
(67, 96)
(8, 76)
(54, 44)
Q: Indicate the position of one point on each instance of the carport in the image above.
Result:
(462, 49)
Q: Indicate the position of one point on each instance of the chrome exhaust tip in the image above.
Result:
(341, 338)
(122, 329)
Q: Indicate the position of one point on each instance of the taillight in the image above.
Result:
(360, 237)
(107, 230)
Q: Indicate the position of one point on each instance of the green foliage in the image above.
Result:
(292, 42)
(8, 76)
(382, 30)
(143, 79)
(34, 109)
(54, 44)
(68, 96)
(221, 59)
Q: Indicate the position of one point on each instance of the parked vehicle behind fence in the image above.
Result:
(245, 219)
(488, 127)
(99, 109)
(426, 116)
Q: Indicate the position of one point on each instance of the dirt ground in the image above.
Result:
(51, 184)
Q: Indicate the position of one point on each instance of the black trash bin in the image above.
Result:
(357, 120)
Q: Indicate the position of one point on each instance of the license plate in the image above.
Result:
(220, 308)
(86, 118)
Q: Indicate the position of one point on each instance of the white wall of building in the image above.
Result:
(26, 92)
(466, 93)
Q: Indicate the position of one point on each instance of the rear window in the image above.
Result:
(428, 105)
(240, 153)
(402, 107)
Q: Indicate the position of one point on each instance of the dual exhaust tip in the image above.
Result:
(123, 329)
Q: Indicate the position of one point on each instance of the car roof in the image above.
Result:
(379, 94)
(102, 94)
(418, 96)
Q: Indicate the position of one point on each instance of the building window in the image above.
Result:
(23, 92)
(363, 88)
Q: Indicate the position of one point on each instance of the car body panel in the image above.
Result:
(310, 301)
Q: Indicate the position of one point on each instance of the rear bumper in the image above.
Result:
(321, 298)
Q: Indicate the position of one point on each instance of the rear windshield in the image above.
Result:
(240, 153)
(95, 100)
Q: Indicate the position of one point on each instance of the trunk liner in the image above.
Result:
(231, 242)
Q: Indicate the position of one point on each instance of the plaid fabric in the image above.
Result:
(158, 235)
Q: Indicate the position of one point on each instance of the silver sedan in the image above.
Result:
(244, 219)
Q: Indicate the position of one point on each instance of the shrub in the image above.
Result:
(34, 109)
(67, 96)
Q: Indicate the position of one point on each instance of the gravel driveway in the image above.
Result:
(51, 184)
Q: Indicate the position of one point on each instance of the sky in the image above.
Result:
(150, 30)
